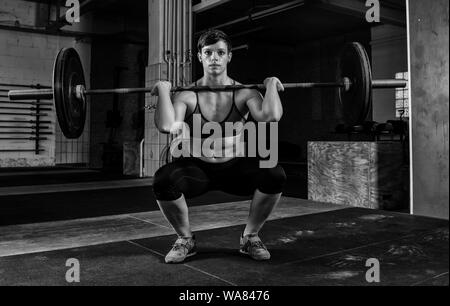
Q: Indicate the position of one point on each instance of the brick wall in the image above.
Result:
(28, 58)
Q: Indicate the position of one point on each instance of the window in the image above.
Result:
(402, 98)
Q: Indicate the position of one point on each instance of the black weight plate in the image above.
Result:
(356, 103)
(71, 111)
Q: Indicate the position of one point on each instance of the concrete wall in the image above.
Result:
(429, 45)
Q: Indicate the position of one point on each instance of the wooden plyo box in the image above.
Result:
(359, 174)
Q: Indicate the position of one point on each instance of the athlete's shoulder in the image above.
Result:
(247, 94)
(187, 96)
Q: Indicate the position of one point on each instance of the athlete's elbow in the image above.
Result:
(165, 129)
(277, 117)
(274, 116)
(162, 128)
(272, 113)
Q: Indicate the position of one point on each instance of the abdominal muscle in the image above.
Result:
(227, 152)
(216, 151)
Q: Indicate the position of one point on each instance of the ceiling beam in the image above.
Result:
(205, 5)
(261, 14)
(359, 9)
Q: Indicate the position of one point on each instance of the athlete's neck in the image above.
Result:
(211, 80)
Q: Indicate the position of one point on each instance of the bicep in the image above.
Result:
(180, 109)
(178, 113)
(254, 104)
(180, 106)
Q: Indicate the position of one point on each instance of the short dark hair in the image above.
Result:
(211, 37)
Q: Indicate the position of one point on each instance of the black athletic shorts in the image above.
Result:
(193, 177)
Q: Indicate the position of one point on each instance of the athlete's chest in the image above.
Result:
(217, 106)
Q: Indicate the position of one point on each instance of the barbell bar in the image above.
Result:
(354, 82)
(12, 127)
(344, 84)
(79, 90)
(23, 114)
(27, 138)
(25, 133)
(25, 121)
(32, 108)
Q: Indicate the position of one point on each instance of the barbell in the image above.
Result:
(354, 81)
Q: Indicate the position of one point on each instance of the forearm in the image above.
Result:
(165, 113)
(272, 108)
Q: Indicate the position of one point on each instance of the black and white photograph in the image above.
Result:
(223, 150)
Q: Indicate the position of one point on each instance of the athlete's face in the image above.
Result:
(215, 58)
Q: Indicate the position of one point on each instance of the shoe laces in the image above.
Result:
(180, 244)
(255, 242)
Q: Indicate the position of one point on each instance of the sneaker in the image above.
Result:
(183, 248)
(252, 245)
